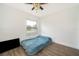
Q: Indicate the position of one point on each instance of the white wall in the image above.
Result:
(12, 23)
(62, 26)
(78, 29)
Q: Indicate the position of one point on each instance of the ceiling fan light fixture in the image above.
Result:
(37, 6)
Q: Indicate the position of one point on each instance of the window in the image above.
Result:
(31, 26)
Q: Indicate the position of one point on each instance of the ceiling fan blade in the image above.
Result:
(41, 8)
(33, 8)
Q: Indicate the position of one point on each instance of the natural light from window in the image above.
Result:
(31, 26)
(31, 23)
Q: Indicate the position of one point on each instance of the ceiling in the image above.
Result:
(49, 8)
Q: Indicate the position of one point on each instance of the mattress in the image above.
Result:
(34, 45)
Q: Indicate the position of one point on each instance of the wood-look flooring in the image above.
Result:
(52, 50)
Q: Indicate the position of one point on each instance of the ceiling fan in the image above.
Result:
(37, 6)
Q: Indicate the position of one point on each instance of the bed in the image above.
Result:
(34, 45)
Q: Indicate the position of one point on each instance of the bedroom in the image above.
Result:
(59, 21)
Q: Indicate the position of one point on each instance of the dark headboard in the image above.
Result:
(9, 44)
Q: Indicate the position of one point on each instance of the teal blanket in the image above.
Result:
(34, 45)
